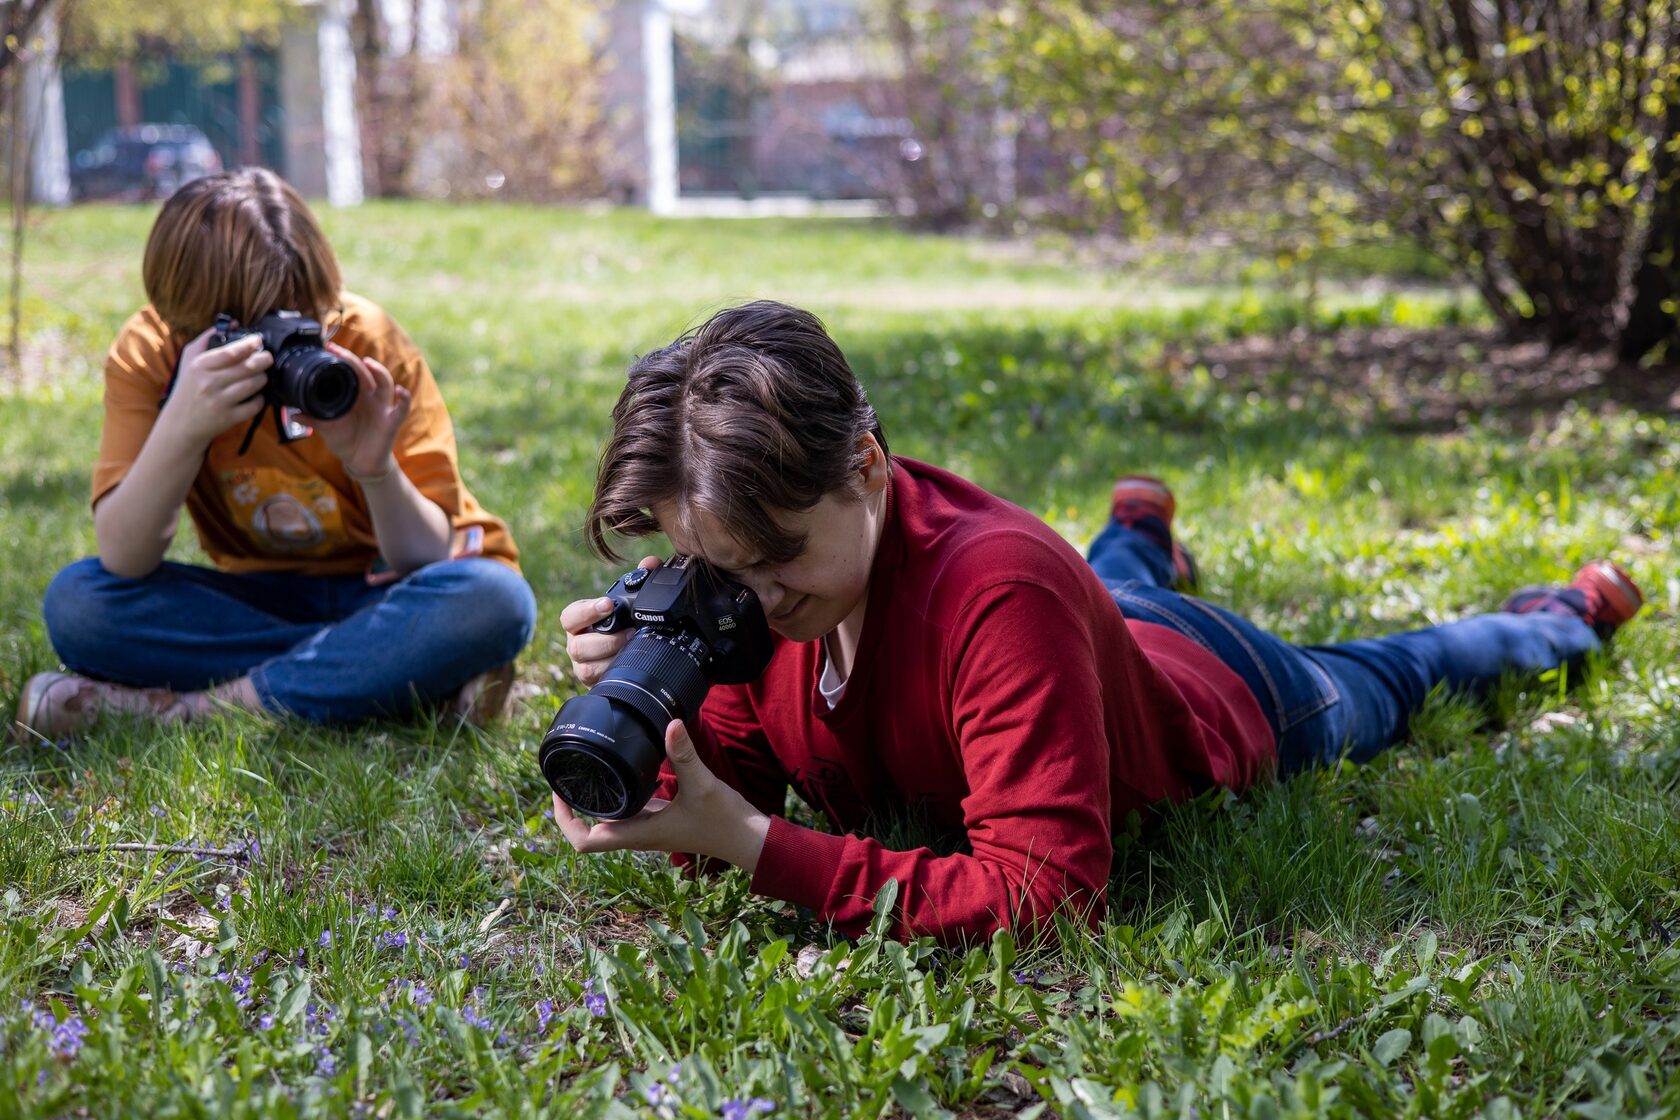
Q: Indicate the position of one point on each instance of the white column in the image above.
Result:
(341, 138)
(43, 117)
(659, 79)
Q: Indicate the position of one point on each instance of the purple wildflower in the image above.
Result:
(656, 1095)
(394, 939)
(389, 913)
(265, 1022)
(466, 961)
(473, 1011)
(251, 850)
(317, 1019)
(742, 1108)
(326, 939)
(239, 983)
(40, 1079)
(545, 1015)
(594, 1002)
(420, 995)
(675, 1074)
(325, 1064)
(67, 1037)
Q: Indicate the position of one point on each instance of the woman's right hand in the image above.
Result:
(591, 653)
(217, 389)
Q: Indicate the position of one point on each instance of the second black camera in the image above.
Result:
(305, 374)
(694, 628)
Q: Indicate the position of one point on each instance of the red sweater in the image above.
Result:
(997, 693)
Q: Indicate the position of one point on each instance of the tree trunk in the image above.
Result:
(17, 195)
(1651, 320)
(17, 27)
(367, 33)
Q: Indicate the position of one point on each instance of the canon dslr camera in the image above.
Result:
(695, 629)
(305, 374)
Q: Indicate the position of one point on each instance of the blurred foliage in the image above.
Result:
(1534, 146)
(512, 109)
(109, 30)
(523, 95)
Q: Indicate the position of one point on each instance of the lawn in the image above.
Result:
(1484, 921)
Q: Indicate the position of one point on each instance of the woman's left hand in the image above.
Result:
(362, 438)
(707, 817)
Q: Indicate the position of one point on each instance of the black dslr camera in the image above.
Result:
(696, 629)
(305, 374)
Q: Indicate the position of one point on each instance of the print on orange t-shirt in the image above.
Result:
(283, 514)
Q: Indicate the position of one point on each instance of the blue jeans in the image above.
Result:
(325, 648)
(1351, 700)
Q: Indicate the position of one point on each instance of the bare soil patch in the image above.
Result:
(1428, 380)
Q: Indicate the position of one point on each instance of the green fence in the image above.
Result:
(205, 96)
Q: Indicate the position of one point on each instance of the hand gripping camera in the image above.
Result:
(305, 374)
(694, 629)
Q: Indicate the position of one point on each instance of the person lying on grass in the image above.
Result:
(354, 573)
(943, 652)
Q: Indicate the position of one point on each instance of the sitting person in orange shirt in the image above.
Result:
(354, 573)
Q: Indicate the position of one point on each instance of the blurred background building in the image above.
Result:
(674, 104)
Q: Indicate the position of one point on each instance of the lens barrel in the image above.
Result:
(314, 381)
(603, 750)
(602, 756)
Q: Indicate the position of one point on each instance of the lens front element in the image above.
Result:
(315, 382)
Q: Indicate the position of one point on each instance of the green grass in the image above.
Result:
(1481, 922)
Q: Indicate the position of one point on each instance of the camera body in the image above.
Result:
(695, 628)
(305, 375)
(683, 593)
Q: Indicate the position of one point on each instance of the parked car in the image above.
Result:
(142, 161)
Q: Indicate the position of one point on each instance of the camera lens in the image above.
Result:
(603, 750)
(602, 757)
(315, 382)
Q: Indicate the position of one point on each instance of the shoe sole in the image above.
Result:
(1615, 588)
(26, 727)
(1158, 494)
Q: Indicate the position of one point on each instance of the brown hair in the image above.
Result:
(753, 413)
(242, 242)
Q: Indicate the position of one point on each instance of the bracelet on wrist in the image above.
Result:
(369, 479)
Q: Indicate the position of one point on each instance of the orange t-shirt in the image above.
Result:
(290, 506)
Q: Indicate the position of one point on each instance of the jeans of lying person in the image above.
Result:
(1349, 700)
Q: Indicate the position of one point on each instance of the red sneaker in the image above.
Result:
(1145, 503)
(1602, 594)
(1612, 596)
(1137, 496)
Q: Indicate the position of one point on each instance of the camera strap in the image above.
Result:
(287, 427)
(256, 422)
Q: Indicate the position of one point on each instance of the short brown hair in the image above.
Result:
(242, 242)
(752, 413)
